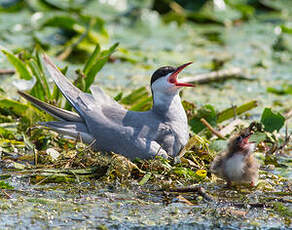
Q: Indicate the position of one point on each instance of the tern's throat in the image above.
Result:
(168, 105)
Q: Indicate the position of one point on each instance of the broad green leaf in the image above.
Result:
(134, 96)
(38, 51)
(208, 113)
(142, 104)
(229, 113)
(19, 66)
(272, 120)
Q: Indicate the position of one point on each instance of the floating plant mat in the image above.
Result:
(50, 182)
(94, 203)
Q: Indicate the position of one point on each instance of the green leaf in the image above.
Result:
(119, 96)
(37, 6)
(208, 113)
(257, 137)
(64, 5)
(229, 113)
(134, 96)
(91, 60)
(41, 88)
(65, 21)
(186, 172)
(145, 179)
(93, 71)
(6, 133)
(19, 66)
(272, 120)
(142, 104)
(286, 29)
(110, 50)
(282, 90)
(14, 106)
(139, 100)
(95, 68)
(5, 185)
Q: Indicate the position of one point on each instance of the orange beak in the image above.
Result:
(173, 77)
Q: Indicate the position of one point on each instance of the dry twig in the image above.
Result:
(218, 134)
(288, 115)
(215, 76)
(6, 71)
(230, 127)
(6, 194)
(194, 188)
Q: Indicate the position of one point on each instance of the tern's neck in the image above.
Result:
(168, 105)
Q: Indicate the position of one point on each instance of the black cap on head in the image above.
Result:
(161, 72)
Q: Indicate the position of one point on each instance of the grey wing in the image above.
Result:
(83, 103)
(101, 98)
(79, 100)
(56, 112)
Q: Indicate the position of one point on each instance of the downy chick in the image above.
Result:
(237, 164)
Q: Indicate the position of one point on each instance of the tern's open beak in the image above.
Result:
(173, 77)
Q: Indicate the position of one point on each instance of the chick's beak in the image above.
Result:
(173, 77)
(245, 140)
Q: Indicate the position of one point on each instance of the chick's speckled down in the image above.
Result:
(237, 163)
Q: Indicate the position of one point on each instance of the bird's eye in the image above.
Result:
(238, 139)
(171, 81)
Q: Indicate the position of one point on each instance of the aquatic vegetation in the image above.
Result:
(242, 65)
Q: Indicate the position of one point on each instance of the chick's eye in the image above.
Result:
(238, 139)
